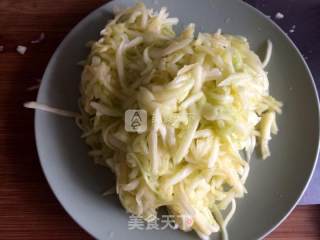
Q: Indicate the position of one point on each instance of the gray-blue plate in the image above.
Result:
(274, 185)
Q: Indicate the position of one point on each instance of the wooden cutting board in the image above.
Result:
(28, 209)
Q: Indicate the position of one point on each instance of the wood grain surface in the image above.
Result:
(28, 209)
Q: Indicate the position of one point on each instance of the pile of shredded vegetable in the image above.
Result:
(208, 104)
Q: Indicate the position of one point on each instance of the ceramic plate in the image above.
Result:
(274, 186)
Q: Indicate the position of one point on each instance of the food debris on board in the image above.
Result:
(39, 39)
(293, 28)
(34, 87)
(279, 15)
(21, 49)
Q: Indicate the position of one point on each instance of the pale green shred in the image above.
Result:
(207, 100)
